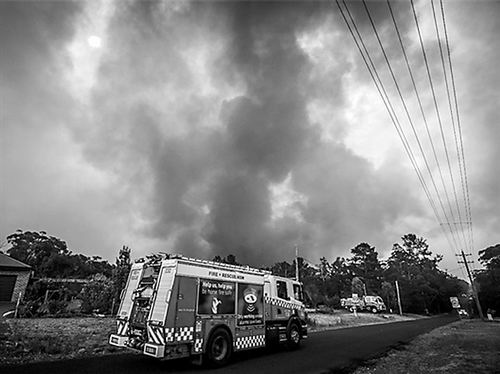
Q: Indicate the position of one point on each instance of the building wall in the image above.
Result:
(21, 282)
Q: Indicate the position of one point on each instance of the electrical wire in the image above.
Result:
(403, 50)
(385, 99)
(443, 65)
(429, 75)
(457, 113)
(392, 113)
(403, 102)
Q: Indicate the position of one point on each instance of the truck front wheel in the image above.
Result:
(293, 336)
(219, 348)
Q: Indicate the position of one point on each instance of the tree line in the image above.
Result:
(424, 287)
(53, 290)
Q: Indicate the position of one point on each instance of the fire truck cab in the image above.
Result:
(175, 307)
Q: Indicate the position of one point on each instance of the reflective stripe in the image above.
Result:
(250, 341)
(198, 345)
(184, 333)
(282, 303)
(169, 334)
(156, 335)
(122, 327)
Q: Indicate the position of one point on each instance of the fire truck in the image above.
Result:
(374, 304)
(174, 307)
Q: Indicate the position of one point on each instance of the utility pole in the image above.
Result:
(474, 292)
(297, 263)
(399, 299)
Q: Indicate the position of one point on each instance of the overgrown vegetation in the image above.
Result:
(65, 283)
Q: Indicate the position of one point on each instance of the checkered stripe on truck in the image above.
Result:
(198, 345)
(281, 303)
(184, 334)
(250, 341)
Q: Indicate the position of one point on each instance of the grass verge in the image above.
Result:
(462, 347)
(45, 339)
(341, 319)
(48, 339)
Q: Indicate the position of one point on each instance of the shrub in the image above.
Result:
(97, 295)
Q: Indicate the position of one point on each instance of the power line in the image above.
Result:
(460, 222)
(457, 113)
(418, 100)
(372, 69)
(433, 92)
(451, 116)
(377, 81)
(385, 99)
(410, 121)
(424, 54)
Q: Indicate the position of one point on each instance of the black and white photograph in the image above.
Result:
(250, 186)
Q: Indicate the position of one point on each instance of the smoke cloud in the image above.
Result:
(212, 128)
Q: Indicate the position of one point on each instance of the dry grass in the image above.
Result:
(42, 339)
(320, 321)
(463, 347)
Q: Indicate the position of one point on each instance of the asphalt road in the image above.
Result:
(332, 352)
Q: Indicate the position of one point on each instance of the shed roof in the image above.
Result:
(12, 263)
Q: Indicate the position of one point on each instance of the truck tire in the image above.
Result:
(374, 310)
(219, 348)
(293, 336)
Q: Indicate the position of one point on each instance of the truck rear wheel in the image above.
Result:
(374, 310)
(293, 336)
(219, 348)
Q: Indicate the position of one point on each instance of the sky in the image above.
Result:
(246, 128)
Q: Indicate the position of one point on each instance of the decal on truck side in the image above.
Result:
(250, 304)
(216, 297)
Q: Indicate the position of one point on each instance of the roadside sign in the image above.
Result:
(455, 303)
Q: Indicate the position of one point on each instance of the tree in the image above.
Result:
(229, 259)
(325, 269)
(489, 277)
(283, 269)
(357, 286)
(424, 287)
(121, 272)
(388, 294)
(341, 277)
(365, 264)
(50, 257)
(97, 295)
(44, 253)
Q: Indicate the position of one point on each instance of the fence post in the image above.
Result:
(17, 304)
